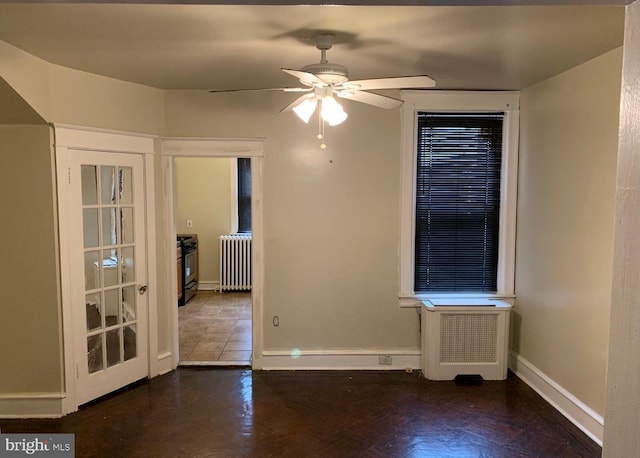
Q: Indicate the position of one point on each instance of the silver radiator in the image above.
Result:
(235, 262)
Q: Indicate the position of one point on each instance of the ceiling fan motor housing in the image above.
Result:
(328, 72)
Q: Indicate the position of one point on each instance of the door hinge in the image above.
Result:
(69, 174)
(77, 371)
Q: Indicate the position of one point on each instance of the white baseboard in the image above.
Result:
(216, 363)
(346, 359)
(31, 405)
(208, 285)
(164, 363)
(566, 403)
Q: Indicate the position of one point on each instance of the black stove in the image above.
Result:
(189, 248)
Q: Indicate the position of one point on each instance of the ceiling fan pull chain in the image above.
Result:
(321, 131)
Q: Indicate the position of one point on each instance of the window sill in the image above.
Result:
(415, 300)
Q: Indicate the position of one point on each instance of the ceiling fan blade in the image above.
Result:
(305, 77)
(283, 89)
(377, 100)
(400, 82)
(296, 102)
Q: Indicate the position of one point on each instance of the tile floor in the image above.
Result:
(216, 327)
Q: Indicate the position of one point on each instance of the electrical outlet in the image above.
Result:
(385, 360)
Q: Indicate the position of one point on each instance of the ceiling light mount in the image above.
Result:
(324, 41)
(330, 73)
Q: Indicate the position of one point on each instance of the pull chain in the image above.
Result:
(321, 132)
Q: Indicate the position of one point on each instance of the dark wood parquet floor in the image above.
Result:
(197, 412)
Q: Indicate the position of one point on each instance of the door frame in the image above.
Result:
(78, 138)
(172, 147)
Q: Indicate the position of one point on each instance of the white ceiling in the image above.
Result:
(244, 46)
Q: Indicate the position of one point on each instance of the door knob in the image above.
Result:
(142, 289)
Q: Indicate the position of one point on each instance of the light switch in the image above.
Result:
(189, 223)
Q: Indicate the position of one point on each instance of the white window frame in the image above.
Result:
(233, 181)
(507, 102)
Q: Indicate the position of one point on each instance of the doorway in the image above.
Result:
(213, 203)
(177, 148)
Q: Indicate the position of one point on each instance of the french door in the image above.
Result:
(103, 236)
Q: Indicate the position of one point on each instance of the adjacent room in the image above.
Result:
(213, 210)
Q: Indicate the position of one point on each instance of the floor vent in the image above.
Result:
(465, 338)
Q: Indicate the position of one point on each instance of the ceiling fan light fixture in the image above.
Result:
(332, 111)
(306, 109)
(324, 81)
(338, 119)
(329, 73)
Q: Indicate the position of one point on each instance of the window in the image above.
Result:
(458, 204)
(457, 201)
(244, 194)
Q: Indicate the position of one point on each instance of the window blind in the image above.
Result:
(459, 158)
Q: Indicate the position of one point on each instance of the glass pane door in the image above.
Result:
(109, 265)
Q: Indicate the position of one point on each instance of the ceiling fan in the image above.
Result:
(324, 81)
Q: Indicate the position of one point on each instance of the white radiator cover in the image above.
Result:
(465, 337)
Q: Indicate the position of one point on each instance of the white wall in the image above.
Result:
(331, 218)
(66, 96)
(203, 195)
(28, 75)
(30, 322)
(569, 135)
(81, 98)
(15, 110)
